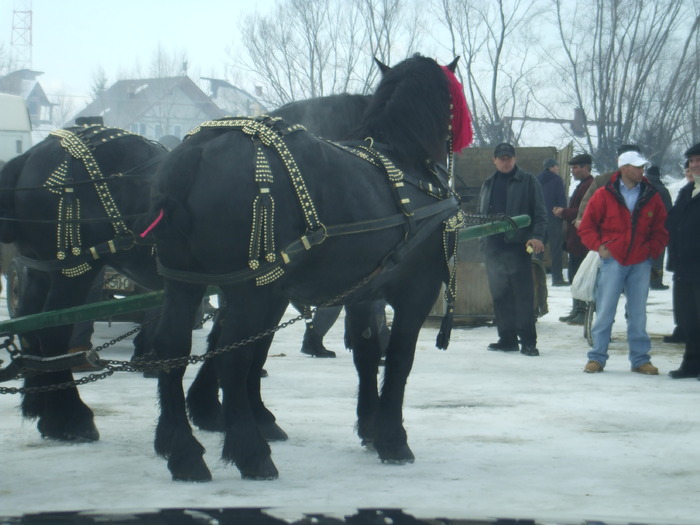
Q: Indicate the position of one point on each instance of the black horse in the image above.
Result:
(272, 213)
(39, 191)
(71, 204)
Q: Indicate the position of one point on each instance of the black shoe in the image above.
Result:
(658, 287)
(579, 319)
(560, 282)
(313, 345)
(501, 346)
(566, 318)
(530, 350)
(675, 337)
(683, 373)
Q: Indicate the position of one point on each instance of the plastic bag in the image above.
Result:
(583, 286)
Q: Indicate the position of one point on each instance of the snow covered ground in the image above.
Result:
(495, 435)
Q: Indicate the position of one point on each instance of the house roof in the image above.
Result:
(24, 83)
(127, 101)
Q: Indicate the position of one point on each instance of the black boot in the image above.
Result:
(571, 314)
(579, 317)
(313, 344)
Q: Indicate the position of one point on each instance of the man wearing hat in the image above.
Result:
(581, 171)
(653, 175)
(554, 196)
(684, 258)
(513, 191)
(624, 223)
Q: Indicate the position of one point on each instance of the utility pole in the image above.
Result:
(21, 41)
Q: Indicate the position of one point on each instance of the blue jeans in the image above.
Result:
(612, 280)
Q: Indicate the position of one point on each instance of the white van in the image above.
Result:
(15, 127)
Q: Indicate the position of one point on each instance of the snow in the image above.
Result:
(494, 434)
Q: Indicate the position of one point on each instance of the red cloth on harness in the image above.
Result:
(462, 133)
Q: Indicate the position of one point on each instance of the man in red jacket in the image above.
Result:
(624, 223)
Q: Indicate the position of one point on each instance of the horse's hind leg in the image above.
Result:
(61, 413)
(249, 313)
(173, 339)
(203, 403)
(362, 338)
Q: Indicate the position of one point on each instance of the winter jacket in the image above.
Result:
(552, 190)
(633, 237)
(573, 241)
(683, 224)
(523, 197)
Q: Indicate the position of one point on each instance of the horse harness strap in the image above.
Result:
(435, 213)
(72, 258)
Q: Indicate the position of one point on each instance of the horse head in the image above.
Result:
(419, 109)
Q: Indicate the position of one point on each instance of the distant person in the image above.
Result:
(580, 166)
(684, 257)
(657, 267)
(512, 191)
(554, 196)
(624, 223)
(678, 335)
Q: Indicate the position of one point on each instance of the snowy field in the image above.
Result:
(495, 436)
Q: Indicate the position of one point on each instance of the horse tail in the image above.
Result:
(8, 181)
(175, 178)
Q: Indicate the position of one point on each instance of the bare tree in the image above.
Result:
(499, 74)
(629, 71)
(311, 48)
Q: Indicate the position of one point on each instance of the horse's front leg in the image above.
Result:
(362, 337)
(246, 420)
(174, 439)
(61, 414)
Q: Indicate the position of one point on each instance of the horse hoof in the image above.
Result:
(198, 472)
(86, 433)
(272, 432)
(265, 471)
(398, 457)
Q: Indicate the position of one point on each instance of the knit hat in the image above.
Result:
(653, 172)
(549, 163)
(693, 150)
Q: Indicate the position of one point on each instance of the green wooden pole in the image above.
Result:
(492, 228)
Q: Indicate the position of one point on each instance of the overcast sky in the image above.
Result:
(73, 38)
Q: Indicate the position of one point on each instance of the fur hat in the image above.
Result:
(693, 150)
(504, 149)
(581, 160)
(549, 163)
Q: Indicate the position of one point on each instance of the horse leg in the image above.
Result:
(61, 413)
(239, 376)
(174, 439)
(203, 404)
(391, 441)
(363, 339)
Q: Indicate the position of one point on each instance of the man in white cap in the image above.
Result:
(624, 223)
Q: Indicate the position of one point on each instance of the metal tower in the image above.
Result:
(21, 41)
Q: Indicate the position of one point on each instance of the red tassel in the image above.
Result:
(462, 132)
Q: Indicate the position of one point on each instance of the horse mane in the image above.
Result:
(410, 111)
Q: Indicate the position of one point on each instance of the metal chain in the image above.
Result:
(166, 365)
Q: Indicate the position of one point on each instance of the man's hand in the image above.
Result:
(534, 246)
(604, 252)
(557, 210)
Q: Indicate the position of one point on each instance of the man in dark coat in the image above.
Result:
(554, 196)
(581, 171)
(657, 266)
(684, 259)
(513, 191)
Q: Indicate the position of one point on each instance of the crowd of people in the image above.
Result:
(624, 216)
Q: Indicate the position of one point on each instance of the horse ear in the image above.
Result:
(382, 67)
(453, 65)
